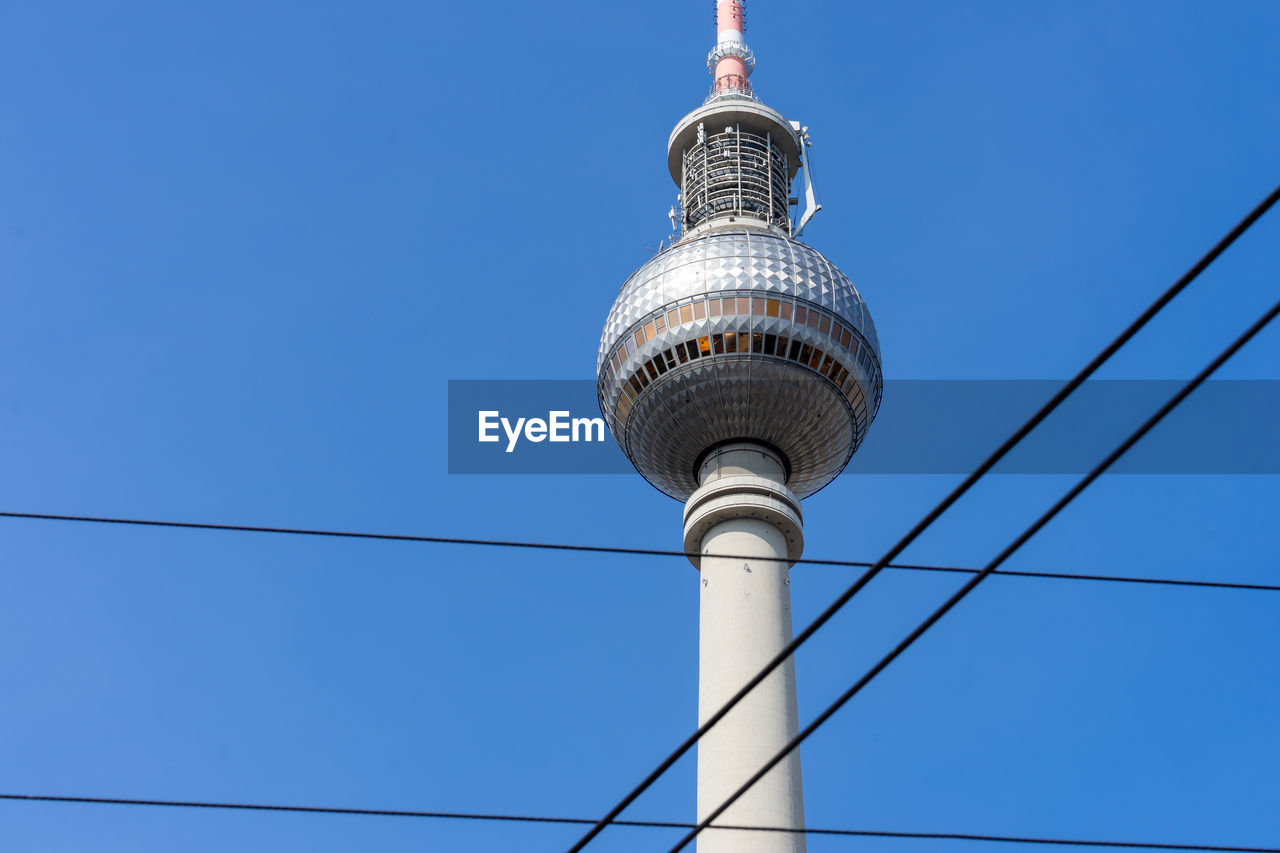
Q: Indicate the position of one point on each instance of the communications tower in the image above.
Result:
(739, 370)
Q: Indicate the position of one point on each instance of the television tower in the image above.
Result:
(739, 370)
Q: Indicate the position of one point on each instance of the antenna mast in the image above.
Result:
(731, 61)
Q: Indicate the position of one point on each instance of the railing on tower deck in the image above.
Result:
(731, 86)
(735, 171)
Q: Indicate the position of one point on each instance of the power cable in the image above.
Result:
(651, 824)
(604, 549)
(1013, 546)
(1096, 578)
(1132, 329)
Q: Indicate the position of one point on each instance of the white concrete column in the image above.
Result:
(743, 508)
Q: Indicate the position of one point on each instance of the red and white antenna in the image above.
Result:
(731, 61)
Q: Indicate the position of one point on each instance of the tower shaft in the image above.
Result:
(743, 509)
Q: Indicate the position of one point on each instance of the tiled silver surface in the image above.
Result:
(749, 260)
(744, 395)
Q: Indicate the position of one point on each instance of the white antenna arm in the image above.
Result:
(811, 203)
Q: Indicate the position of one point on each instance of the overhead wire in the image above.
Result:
(1013, 440)
(605, 549)
(884, 562)
(647, 824)
(1022, 538)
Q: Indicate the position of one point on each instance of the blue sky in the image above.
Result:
(244, 246)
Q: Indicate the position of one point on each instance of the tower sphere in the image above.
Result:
(738, 331)
(739, 334)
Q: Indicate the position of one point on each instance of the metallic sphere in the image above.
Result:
(739, 333)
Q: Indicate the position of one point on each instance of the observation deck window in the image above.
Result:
(829, 363)
(844, 343)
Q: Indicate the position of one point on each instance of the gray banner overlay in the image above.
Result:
(924, 427)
